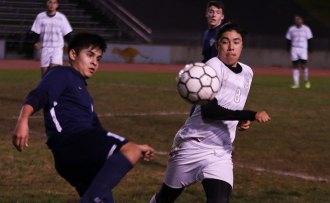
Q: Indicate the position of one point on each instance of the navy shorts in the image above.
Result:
(79, 157)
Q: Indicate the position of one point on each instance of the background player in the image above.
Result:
(50, 30)
(215, 19)
(89, 157)
(201, 150)
(299, 38)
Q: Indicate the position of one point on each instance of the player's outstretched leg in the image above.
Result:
(113, 170)
(166, 195)
(217, 191)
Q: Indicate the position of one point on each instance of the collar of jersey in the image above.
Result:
(236, 69)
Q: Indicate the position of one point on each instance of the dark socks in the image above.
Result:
(113, 170)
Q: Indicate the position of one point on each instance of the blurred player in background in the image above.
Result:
(50, 30)
(299, 44)
(202, 148)
(215, 19)
(90, 158)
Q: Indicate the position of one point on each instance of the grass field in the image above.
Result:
(284, 161)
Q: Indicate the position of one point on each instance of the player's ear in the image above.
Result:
(207, 12)
(72, 54)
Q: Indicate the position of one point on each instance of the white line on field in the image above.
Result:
(284, 173)
(131, 114)
(161, 153)
(143, 87)
(143, 114)
(164, 153)
(276, 172)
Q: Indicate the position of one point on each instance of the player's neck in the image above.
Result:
(51, 13)
(236, 68)
(214, 26)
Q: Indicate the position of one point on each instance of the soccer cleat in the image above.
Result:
(308, 85)
(294, 86)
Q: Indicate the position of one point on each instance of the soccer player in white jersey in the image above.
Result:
(299, 43)
(202, 148)
(50, 30)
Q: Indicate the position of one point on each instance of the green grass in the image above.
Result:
(295, 141)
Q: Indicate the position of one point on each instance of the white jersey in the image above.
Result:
(232, 95)
(51, 29)
(299, 36)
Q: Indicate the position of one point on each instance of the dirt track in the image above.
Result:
(31, 64)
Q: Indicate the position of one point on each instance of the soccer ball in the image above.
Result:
(197, 83)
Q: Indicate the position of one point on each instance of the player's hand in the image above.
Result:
(20, 138)
(147, 152)
(243, 125)
(37, 46)
(262, 117)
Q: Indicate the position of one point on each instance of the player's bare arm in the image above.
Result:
(20, 137)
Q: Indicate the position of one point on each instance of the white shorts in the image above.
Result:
(50, 56)
(193, 163)
(299, 53)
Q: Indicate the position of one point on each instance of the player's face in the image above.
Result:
(298, 21)
(52, 6)
(87, 61)
(214, 16)
(230, 46)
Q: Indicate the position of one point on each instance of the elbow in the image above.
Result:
(207, 113)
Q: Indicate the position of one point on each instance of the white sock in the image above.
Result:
(296, 76)
(306, 73)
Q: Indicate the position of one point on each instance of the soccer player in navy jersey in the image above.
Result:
(215, 19)
(202, 148)
(90, 158)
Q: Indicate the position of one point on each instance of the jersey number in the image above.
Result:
(237, 97)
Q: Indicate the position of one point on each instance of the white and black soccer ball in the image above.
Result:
(198, 83)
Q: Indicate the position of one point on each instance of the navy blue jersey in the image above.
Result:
(209, 42)
(209, 46)
(79, 144)
(68, 107)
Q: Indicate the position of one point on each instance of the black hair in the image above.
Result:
(217, 4)
(84, 40)
(230, 27)
(58, 1)
(299, 15)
